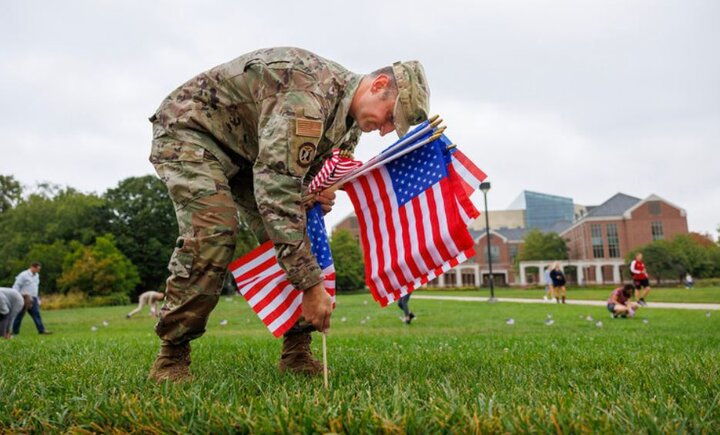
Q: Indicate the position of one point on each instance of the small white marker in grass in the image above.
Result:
(93, 328)
(589, 318)
(223, 322)
(105, 323)
(343, 319)
(549, 322)
(598, 323)
(510, 321)
(549, 316)
(707, 314)
(646, 320)
(364, 302)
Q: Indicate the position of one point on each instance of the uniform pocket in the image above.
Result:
(181, 261)
(189, 180)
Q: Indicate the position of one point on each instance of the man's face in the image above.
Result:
(35, 269)
(375, 108)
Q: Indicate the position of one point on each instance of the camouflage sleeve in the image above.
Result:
(289, 130)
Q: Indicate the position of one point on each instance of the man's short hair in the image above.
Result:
(35, 264)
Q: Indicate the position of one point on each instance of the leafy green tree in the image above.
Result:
(44, 217)
(52, 257)
(10, 192)
(542, 246)
(98, 270)
(692, 255)
(142, 219)
(349, 265)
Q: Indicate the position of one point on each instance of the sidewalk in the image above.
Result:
(676, 305)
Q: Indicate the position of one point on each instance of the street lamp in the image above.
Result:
(485, 186)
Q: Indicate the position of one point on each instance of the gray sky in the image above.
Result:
(574, 98)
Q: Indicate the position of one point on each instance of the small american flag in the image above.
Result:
(334, 168)
(264, 285)
(411, 226)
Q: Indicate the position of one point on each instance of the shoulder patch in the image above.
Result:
(305, 155)
(308, 127)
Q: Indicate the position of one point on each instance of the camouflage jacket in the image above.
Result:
(273, 115)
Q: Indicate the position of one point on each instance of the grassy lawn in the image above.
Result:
(459, 368)
(696, 295)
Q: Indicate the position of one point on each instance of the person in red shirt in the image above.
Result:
(640, 279)
(619, 303)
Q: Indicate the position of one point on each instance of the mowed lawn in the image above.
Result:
(459, 368)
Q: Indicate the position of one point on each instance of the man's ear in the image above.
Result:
(379, 83)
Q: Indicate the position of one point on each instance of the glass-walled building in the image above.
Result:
(543, 211)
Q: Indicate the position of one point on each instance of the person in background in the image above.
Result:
(688, 281)
(640, 279)
(548, 286)
(148, 298)
(619, 303)
(11, 304)
(558, 282)
(403, 304)
(27, 283)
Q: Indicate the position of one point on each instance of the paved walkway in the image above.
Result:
(682, 306)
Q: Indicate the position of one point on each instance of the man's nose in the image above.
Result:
(386, 128)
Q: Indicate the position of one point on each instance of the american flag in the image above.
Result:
(334, 168)
(412, 228)
(265, 286)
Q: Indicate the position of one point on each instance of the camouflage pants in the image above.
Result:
(207, 216)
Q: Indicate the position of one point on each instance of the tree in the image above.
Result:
(142, 219)
(43, 218)
(98, 270)
(349, 266)
(692, 254)
(10, 192)
(542, 246)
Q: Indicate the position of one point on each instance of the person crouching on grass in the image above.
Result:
(620, 304)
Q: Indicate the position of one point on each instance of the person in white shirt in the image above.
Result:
(27, 283)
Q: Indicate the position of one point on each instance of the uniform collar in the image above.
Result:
(339, 127)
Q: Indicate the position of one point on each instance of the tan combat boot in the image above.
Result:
(172, 364)
(297, 356)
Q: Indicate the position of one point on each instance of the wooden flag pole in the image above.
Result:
(325, 367)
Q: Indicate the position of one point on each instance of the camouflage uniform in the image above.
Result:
(245, 136)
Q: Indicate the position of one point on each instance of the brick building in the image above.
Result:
(597, 237)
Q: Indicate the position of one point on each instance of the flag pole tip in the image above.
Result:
(431, 120)
(451, 146)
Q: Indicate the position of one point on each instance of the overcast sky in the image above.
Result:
(576, 98)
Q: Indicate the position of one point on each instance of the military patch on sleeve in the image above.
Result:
(308, 127)
(305, 155)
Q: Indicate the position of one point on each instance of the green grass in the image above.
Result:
(459, 368)
(696, 295)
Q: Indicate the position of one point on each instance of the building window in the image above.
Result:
(468, 278)
(450, 279)
(657, 230)
(597, 241)
(613, 241)
(494, 254)
(513, 253)
(654, 207)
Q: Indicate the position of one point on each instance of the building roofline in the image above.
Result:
(653, 197)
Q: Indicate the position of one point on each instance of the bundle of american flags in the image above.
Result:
(413, 206)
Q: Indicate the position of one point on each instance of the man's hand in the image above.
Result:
(317, 307)
(326, 200)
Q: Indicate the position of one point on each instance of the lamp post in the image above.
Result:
(485, 186)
